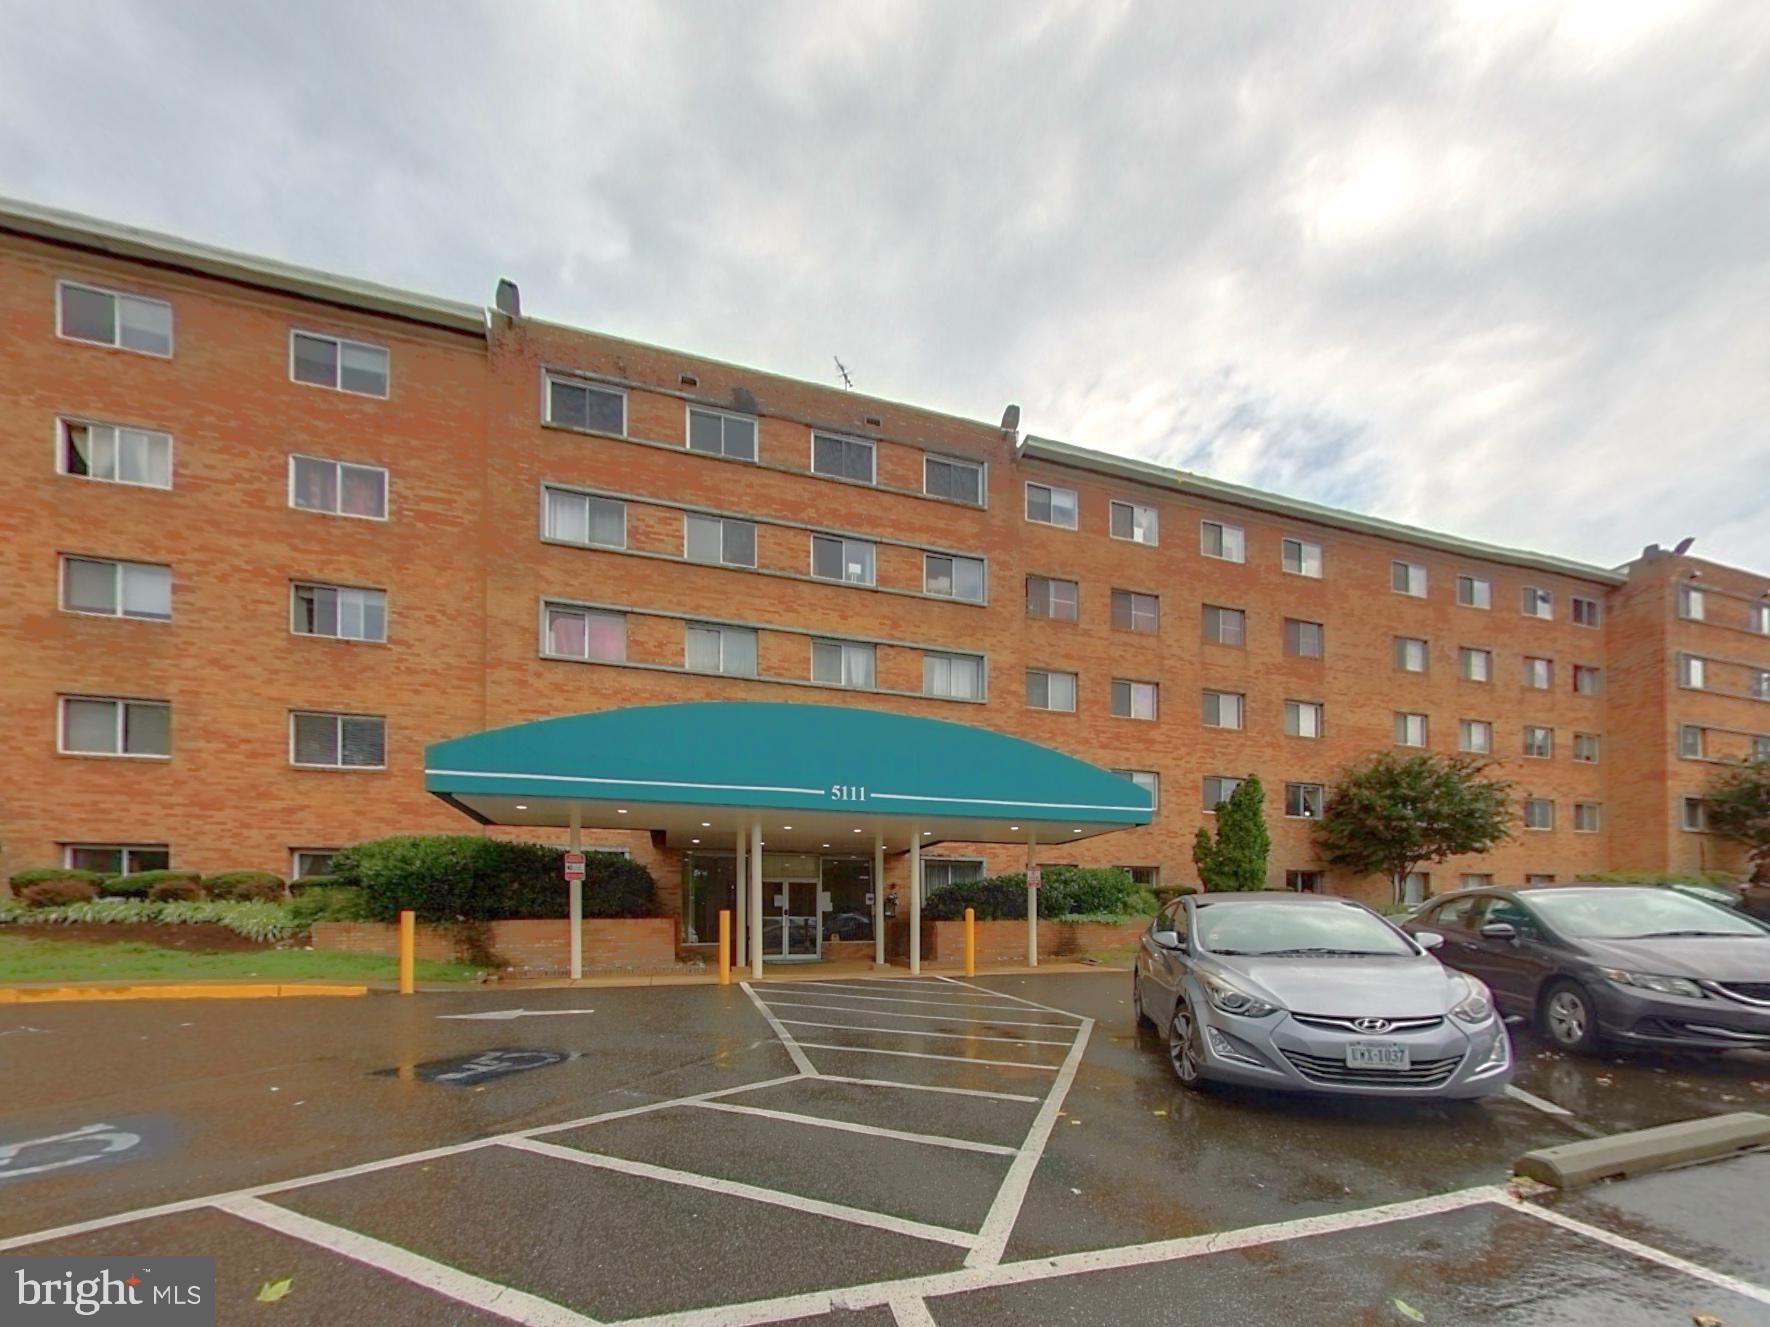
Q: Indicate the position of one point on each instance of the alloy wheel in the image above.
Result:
(1183, 1047)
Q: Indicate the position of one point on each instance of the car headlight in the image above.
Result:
(1233, 1000)
(1475, 1007)
(1646, 981)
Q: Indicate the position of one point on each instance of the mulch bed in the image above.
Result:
(194, 937)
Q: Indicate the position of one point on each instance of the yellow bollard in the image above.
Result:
(970, 942)
(725, 946)
(408, 949)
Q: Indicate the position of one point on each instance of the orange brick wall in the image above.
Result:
(525, 947)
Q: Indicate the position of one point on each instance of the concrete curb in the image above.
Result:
(232, 990)
(1590, 1160)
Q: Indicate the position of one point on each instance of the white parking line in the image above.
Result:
(910, 1311)
(923, 1032)
(463, 1287)
(1030, 1004)
(848, 1126)
(929, 1087)
(859, 1216)
(930, 1018)
(903, 999)
(929, 1055)
(797, 1056)
(1546, 1107)
(944, 988)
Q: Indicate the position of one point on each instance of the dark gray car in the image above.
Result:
(1307, 993)
(1619, 964)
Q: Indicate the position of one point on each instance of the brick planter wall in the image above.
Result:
(1005, 941)
(524, 946)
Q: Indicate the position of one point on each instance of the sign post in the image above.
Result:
(1034, 877)
(574, 875)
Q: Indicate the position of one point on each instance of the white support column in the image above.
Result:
(878, 900)
(1032, 904)
(756, 898)
(915, 898)
(576, 889)
(741, 904)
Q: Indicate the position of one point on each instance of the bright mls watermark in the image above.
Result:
(143, 1292)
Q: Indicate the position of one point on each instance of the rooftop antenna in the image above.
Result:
(842, 369)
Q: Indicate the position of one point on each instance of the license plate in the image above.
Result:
(1376, 1055)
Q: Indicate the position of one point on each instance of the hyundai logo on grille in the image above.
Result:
(1371, 1024)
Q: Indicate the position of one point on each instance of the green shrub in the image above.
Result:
(1066, 891)
(263, 886)
(57, 893)
(152, 880)
(462, 877)
(326, 903)
(175, 891)
(40, 875)
(124, 886)
(302, 884)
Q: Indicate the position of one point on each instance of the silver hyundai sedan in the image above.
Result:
(1316, 994)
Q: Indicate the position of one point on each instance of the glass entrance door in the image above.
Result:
(791, 927)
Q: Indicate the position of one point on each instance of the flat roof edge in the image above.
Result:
(74, 228)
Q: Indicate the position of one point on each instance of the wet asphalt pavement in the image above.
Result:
(1030, 1160)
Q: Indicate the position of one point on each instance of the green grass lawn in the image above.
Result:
(23, 958)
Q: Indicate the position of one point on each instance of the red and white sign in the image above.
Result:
(1035, 876)
(574, 866)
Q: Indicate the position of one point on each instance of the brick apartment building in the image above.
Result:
(270, 531)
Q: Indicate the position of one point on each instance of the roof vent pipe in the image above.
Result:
(508, 298)
(1011, 421)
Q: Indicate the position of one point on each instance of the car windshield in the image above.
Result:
(1298, 930)
(1636, 914)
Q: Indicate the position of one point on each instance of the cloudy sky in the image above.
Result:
(1501, 268)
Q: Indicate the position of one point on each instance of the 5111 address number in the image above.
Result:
(848, 792)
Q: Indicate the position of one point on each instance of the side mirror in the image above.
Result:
(1167, 939)
(1428, 939)
(1499, 931)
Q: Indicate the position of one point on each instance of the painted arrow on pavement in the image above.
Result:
(507, 1014)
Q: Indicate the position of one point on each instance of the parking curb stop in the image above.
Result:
(1571, 1165)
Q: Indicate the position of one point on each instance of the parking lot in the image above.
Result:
(856, 1151)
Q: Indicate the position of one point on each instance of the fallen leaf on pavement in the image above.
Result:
(271, 1291)
(1408, 1311)
(1706, 1320)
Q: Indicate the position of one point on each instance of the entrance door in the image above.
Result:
(791, 927)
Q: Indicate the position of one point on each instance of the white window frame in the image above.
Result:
(955, 559)
(62, 422)
(1546, 733)
(1760, 617)
(1144, 516)
(725, 522)
(870, 444)
(1524, 818)
(116, 343)
(1147, 779)
(338, 717)
(386, 487)
(295, 588)
(117, 565)
(1467, 654)
(1404, 724)
(844, 540)
(1425, 578)
(953, 656)
(1300, 653)
(1597, 817)
(1242, 613)
(1048, 674)
(1228, 536)
(1467, 729)
(1593, 672)
(337, 385)
(121, 704)
(844, 646)
(1226, 785)
(1075, 598)
(1320, 800)
(1693, 672)
(548, 378)
(1536, 602)
(1304, 547)
(549, 607)
(958, 463)
(1299, 708)
(1692, 602)
(1687, 803)
(1403, 652)
(295, 856)
(725, 633)
(125, 849)
(1075, 502)
(1480, 588)
(1548, 671)
(1692, 742)
(1594, 610)
(692, 408)
(1135, 600)
(1239, 705)
(1155, 700)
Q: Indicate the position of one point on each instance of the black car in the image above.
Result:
(1619, 964)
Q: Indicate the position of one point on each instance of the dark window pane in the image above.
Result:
(364, 740)
(363, 369)
(144, 325)
(740, 438)
(316, 360)
(705, 432)
(108, 861)
(568, 403)
(363, 492)
(90, 587)
(316, 739)
(147, 859)
(740, 543)
(88, 315)
(147, 730)
(315, 485)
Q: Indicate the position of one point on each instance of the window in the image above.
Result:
(1223, 709)
(116, 589)
(1219, 789)
(1691, 604)
(1148, 780)
(718, 539)
(1585, 748)
(1302, 718)
(1760, 683)
(842, 663)
(580, 518)
(1586, 612)
(719, 650)
(94, 726)
(1305, 640)
(1133, 521)
(1475, 665)
(1761, 747)
(1410, 729)
(1410, 654)
(116, 858)
(338, 611)
(1147, 876)
(1692, 741)
(1217, 540)
(1300, 557)
(110, 318)
(1474, 880)
(338, 741)
(1048, 597)
(1225, 626)
(1133, 700)
(1474, 592)
(1539, 742)
(584, 405)
(1539, 813)
(953, 676)
(834, 558)
(939, 872)
(304, 862)
(1538, 602)
(1135, 612)
(1475, 736)
(345, 366)
(1539, 674)
(1586, 816)
(953, 577)
(581, 633)
(1049, 505)
(115, 454)
(1538, 878)
(1303, 882)
(1587, 680)
(944, 477)
(1760, 618)
(1695, 815)
(842, 458)
(1303, 800)
(1416, 887)
(337, 487)
(1046, 690)
(719, 434)
(1408, 578)
(1692, 671)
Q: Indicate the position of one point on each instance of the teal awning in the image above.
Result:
(696, 766)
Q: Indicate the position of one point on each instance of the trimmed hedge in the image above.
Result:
(326, 903)
(264, 886)
(142, 884)
(124, 886)
(57, 893)
(175, 891)
(301, 884)
(39, 875)
(1067, 891)
(462, 877)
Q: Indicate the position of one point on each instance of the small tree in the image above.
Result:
(1237, 860)
(1393, 813)
(1739, 809)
